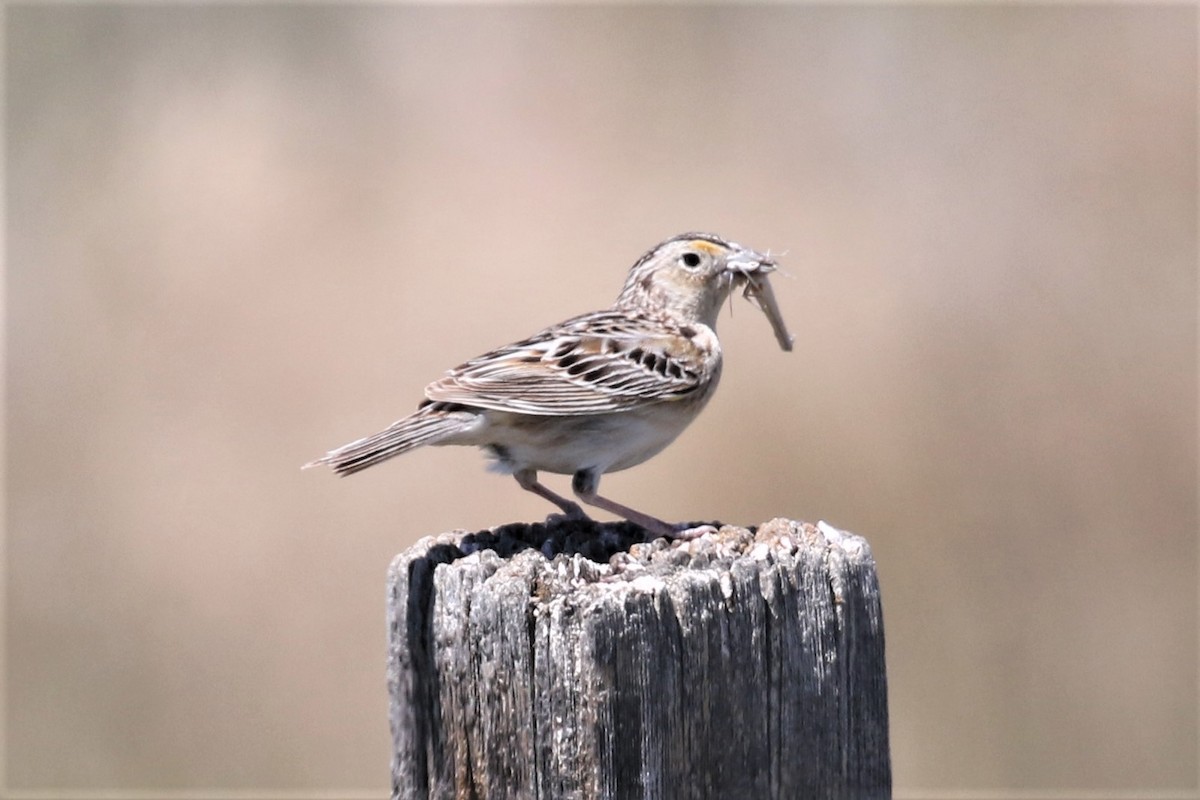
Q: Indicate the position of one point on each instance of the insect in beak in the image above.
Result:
(753, 270)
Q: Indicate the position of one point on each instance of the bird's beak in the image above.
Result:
(754, 268)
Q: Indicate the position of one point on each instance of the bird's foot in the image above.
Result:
(572, 512)
(685, 533)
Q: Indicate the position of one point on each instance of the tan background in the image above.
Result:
(238, 236)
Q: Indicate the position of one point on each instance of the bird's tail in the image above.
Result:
(430, 424)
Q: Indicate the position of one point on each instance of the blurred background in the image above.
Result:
(240, 235)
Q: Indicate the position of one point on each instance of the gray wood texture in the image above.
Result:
(574, 660)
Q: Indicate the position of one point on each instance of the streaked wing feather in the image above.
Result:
(593, 364)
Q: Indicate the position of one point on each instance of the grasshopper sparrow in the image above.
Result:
(598, 393)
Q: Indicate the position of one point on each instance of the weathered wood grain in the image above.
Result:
(577, 661)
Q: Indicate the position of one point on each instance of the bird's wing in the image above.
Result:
(597, 363)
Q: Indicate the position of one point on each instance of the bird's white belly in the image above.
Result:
(565, 445)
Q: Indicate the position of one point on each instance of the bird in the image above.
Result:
(597, 393)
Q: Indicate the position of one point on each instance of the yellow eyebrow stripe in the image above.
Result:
(708, 247)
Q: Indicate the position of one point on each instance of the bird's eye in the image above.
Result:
(691, 260)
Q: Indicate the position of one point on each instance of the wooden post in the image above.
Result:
(576, 661)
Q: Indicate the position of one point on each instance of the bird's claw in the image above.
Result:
(685, 533)
(573, 514)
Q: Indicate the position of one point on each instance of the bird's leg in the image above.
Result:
(527, 478)
(585, 484)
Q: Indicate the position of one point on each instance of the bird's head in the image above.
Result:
(689, 277)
